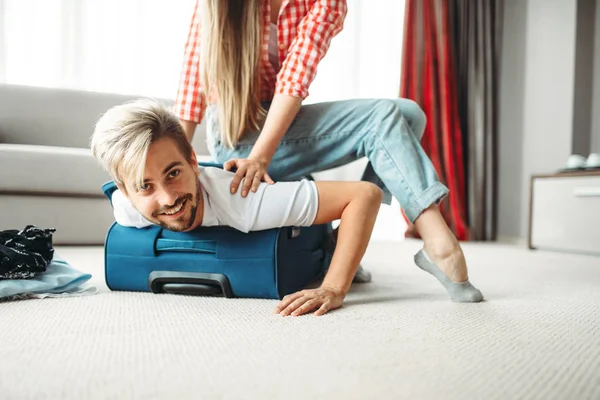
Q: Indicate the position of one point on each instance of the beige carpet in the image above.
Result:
(537, 337)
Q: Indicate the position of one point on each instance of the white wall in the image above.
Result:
(595, 139)
(536, 101)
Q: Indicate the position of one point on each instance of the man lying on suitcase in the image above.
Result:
(144, 148)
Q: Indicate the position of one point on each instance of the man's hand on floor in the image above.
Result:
(322, 300)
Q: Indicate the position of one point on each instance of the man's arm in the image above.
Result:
(356, 204)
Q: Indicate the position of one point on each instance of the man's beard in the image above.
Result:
(181, 225)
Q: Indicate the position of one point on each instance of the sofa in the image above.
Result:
(48, 176)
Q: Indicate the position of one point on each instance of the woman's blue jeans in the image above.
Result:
(329, 135)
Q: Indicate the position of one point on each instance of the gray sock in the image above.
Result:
(362, 275)
(462, 292)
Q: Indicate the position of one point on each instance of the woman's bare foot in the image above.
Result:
(451, 261)
(443, 257)
(441, 245)
(462, 292)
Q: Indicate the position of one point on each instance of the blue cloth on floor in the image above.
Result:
(59, 277)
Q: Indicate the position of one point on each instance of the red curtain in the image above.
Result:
(429, 78)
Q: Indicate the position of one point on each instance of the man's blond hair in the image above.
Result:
(123, 135)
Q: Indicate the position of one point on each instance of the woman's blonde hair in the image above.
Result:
(230, 50)
(123, 135)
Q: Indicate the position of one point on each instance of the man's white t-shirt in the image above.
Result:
(272, 206)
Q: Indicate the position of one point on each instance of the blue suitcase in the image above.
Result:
(215, 261)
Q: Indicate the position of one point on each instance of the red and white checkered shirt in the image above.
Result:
(304, 31)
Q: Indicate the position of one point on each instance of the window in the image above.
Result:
(135, 47)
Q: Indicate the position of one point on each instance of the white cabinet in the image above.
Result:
(565, 212)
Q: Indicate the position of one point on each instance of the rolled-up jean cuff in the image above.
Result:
(434, 194)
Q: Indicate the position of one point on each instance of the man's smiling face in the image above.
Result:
(170, 196)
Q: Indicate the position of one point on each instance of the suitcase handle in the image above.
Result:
(192, 283)
(194, 246)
